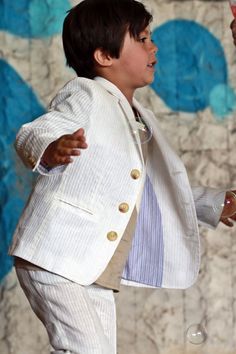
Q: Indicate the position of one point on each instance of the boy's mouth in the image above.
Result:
(151, 65)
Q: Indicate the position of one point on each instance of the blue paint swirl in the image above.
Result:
(33, 18)
(222, 101)
(191, 62)
(19, 106)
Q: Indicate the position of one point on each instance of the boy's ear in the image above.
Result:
(102, 58)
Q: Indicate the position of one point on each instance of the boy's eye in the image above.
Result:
(142, 39)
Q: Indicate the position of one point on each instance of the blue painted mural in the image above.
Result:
(192, 70)
(20, 105)
(33, 18)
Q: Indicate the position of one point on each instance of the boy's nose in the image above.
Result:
(153, 48)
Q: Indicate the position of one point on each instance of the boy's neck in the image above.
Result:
(128, 94)
(127, 91)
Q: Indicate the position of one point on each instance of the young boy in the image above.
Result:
(72, 246)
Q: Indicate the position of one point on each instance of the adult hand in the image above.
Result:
(228, 221)
(233, 29)
(229, 209)
(60, 151)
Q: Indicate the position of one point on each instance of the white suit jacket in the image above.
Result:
(72, 222)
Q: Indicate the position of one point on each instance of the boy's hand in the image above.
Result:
(233, 29)
(59, 152)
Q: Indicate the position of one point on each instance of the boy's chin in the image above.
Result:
(149, 81)
(146, 82)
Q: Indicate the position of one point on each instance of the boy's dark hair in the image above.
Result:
(94, 24)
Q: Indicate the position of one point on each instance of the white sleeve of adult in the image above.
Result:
(209, 205)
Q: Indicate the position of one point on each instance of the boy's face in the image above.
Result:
(136, 65)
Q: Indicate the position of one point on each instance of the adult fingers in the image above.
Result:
(227, 222)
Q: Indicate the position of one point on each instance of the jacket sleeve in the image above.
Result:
(70, 111)
(208, 203)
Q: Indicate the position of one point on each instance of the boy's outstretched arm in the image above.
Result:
(60, 151)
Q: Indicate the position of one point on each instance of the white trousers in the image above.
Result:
(78, 319)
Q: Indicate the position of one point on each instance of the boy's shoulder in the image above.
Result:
(79, 84)
(98, 85)
(79, 88)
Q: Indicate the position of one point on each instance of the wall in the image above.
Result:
(193, 97)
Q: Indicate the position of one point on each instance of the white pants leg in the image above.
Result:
(78, 319)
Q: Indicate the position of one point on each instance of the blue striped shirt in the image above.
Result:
(145, 260)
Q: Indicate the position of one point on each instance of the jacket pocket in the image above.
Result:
(74, 207)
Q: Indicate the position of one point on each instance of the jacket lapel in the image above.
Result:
(126, 108)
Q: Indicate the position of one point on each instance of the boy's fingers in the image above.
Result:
(79, 133)
(71, 141)
(72, 152)
(64, 160)
(70, 145)
(79, 136)
(59, 160)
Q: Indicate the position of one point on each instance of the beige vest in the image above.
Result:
(111, 277)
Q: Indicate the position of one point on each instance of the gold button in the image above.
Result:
(124, 207)
(135, 174)
(112, 236)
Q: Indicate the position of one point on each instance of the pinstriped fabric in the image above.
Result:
(70, 214)
(145, 261)
(208, 204)
(79, 320)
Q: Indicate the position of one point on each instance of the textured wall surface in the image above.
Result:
(193, 96)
